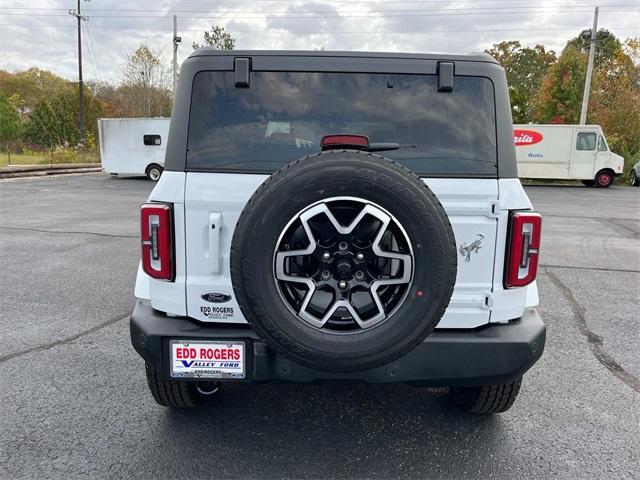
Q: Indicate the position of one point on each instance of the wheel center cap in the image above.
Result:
(344, 268)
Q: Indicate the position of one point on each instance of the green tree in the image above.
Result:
(607, 47)
(217, 38)
(559, 97)
(525, 68)
(9, 120)
(55, 121)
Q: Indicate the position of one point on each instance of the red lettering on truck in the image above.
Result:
(526, 137)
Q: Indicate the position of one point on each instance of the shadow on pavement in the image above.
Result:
(328, 431)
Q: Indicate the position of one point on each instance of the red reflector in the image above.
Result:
(523, 249)
(344, 141)
(156, 234)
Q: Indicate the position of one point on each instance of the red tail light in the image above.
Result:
(523, 248)
(157, 240)
(344, 141)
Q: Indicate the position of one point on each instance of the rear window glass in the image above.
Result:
(284, 115)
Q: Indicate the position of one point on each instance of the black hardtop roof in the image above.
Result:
(209, 59)
(472, 57)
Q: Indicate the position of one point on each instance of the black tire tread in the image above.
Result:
(243, 300)
(605, 172)
(171, 393)
(487, 399)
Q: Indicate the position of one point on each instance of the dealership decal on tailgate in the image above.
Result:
(204, 359)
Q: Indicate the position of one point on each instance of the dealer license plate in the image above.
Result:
(207, 359)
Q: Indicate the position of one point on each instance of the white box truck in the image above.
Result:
(133, 146)
(576, 152)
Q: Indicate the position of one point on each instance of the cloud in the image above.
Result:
(307, 17)
(44, 35)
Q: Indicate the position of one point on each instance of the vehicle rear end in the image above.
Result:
(248, 177)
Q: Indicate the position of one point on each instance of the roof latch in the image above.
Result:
(445, 76)
(242, 67)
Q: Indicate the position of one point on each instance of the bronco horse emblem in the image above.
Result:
(467, 248)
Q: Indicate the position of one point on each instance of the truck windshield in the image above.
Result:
(284, 115)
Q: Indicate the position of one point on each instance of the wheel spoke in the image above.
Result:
(407, 269)
(343, 263)
(281, 257)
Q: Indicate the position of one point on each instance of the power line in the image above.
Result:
(93, 66)
(307, 32)
(376, 14)
(341, 2)
(92, 52)
(263, 12)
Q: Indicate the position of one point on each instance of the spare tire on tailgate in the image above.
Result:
(343, 261)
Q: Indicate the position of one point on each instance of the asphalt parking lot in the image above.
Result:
(74, 401)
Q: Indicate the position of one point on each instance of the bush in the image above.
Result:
(65, 154)
(631, 154)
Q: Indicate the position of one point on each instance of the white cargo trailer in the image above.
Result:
(133, 146)
(577, 152)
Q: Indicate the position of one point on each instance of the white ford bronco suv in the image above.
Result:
(339, 216)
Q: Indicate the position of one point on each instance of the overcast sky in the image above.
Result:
(41, 33)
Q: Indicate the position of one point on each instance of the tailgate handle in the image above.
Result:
(215, 225)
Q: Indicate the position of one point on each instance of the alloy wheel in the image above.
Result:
(343, 265)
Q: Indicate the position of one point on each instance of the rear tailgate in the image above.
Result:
(214, 201)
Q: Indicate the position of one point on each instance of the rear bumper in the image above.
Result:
(487, 355)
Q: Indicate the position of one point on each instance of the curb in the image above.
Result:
(16, 171)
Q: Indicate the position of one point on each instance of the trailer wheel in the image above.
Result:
(604, 179)
(154, 172)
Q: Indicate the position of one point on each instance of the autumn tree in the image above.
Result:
(632, 49)
(146, 84)
(525, 68)
(559, 97)
(614, 101)
(217, 38)
(32, 86)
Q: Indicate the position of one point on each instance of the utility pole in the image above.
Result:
(587, 82)
(176, 42)
(80, 18)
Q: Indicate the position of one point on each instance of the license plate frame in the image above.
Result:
(197, 367)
